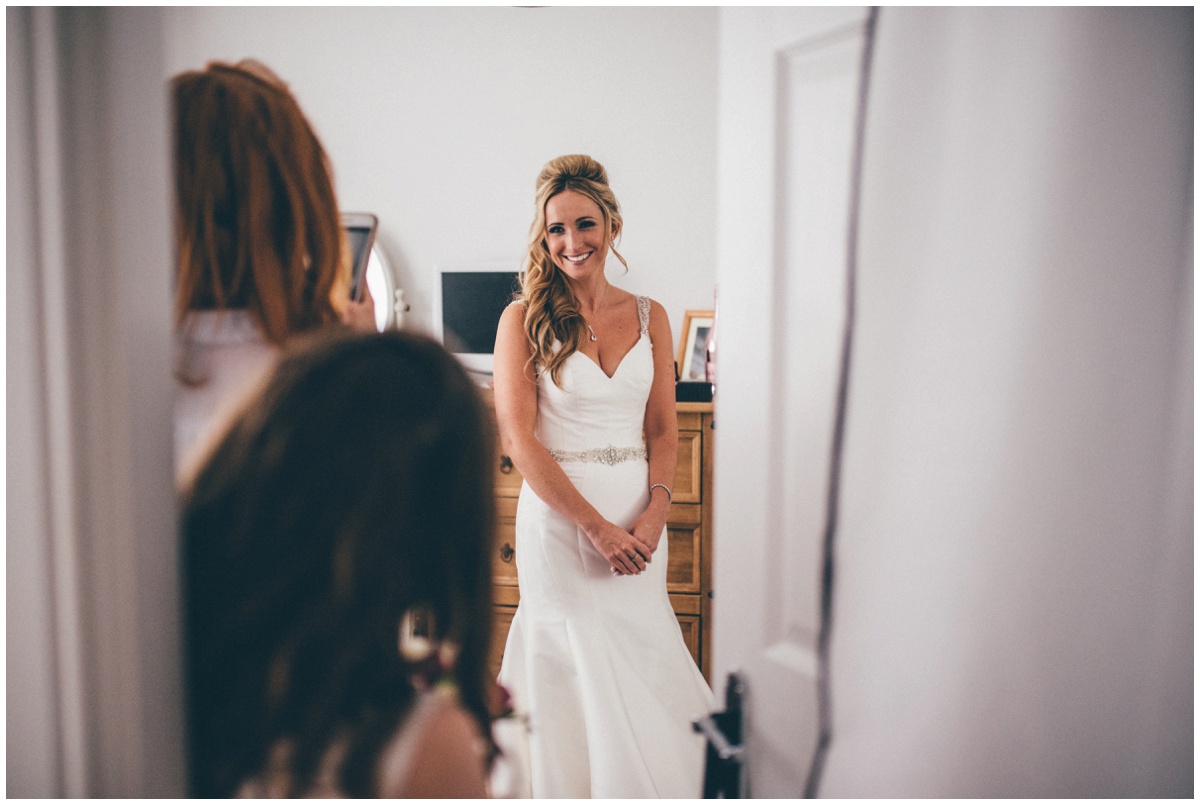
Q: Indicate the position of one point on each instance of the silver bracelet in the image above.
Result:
(664, 488)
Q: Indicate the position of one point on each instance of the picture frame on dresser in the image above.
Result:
(696, 326)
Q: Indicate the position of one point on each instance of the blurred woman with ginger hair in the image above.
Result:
(261, 256)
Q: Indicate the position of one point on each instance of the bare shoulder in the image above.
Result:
(512, 356)
(510, 334)
(513, 316)
(449, 759)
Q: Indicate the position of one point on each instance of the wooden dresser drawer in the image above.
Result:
(691, 623)
(504, 558)
(508, 477)
(683, 535)
(690, 626)
(501, 621)
(687, 468)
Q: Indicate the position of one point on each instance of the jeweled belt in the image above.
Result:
(601, 455)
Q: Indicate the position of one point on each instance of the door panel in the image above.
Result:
(789, 88)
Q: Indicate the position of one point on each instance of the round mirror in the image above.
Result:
(389, 302)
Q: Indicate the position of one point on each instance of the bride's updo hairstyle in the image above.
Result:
(551, 310)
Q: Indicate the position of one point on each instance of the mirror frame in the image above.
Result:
(389, 304)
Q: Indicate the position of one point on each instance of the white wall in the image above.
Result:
(439, 119)
(1013, 600)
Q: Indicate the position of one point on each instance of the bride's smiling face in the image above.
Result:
(575, 234)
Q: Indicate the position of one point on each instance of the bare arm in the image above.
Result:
(661, 428)
(516, 415)
(449, 762)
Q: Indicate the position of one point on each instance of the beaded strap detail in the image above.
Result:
(601, 455)
(643, 304)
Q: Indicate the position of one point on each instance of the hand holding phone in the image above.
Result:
(359, 314)
(360, 234)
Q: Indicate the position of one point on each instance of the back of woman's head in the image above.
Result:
(357, 489)
(257, 218)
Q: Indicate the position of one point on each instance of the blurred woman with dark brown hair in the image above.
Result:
(354, 491)
(261, 256)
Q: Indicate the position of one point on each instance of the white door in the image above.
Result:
(789, 95)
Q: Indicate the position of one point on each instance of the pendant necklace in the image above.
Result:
(591, 332)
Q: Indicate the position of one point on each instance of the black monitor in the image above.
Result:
(468, 301)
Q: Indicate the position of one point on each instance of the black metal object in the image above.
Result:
(725, 756)
(693, 391)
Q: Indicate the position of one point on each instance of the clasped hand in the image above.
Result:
(647, 529)
(627, 554)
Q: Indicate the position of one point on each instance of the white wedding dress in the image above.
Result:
(597, 661)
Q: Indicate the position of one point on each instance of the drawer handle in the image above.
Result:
(506, 466)
(506, 553)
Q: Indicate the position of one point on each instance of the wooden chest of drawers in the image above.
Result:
(689, 531)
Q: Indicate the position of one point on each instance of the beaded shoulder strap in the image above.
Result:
(643, 303)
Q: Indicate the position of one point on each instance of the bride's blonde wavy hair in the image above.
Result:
(551, 309)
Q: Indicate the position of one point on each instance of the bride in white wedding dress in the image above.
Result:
(583, 369)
